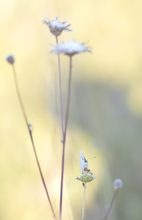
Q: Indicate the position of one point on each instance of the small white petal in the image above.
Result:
(70, 48)
(56, 27)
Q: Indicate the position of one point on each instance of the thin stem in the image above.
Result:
(29, 128)
(19, 97)
(60, 91)
(83, 203)
(110, 205)
(64, 137)
(68, 97)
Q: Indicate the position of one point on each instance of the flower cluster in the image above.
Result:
(69, 48)
(85, 175)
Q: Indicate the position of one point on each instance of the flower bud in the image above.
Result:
(10, 59)
(117, 184)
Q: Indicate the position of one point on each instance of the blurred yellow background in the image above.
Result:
(105, 116)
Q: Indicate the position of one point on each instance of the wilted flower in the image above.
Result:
(10, 59)
(118, 184)
(56, 27)
(70, 48)
(86, 175)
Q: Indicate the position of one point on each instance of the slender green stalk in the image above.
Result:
(29, 128)
(64, 137)
(60, 91)
(83, 202)
(110, 205)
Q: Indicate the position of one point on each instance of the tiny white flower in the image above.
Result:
(83, 162)
(117, 184)
(56, 27)
(70, 48)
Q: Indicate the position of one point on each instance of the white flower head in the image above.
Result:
(83, 162)
(117, 184)
(70, 48)
(56, 27)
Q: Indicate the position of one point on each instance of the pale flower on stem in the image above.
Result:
(56, 27)
(117, 184)
(11, 60)
(70, 48)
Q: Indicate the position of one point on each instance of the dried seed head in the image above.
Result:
(56, 27)
(117, 184)
(10, 59)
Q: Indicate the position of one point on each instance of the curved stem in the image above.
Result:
(29, 128)
(19, 97)
(110, 205)
(64, 137)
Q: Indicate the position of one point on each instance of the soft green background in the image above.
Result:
(106, 108)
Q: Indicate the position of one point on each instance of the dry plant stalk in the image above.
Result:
(10, 60)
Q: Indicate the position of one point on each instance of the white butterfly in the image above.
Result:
(83, 162)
